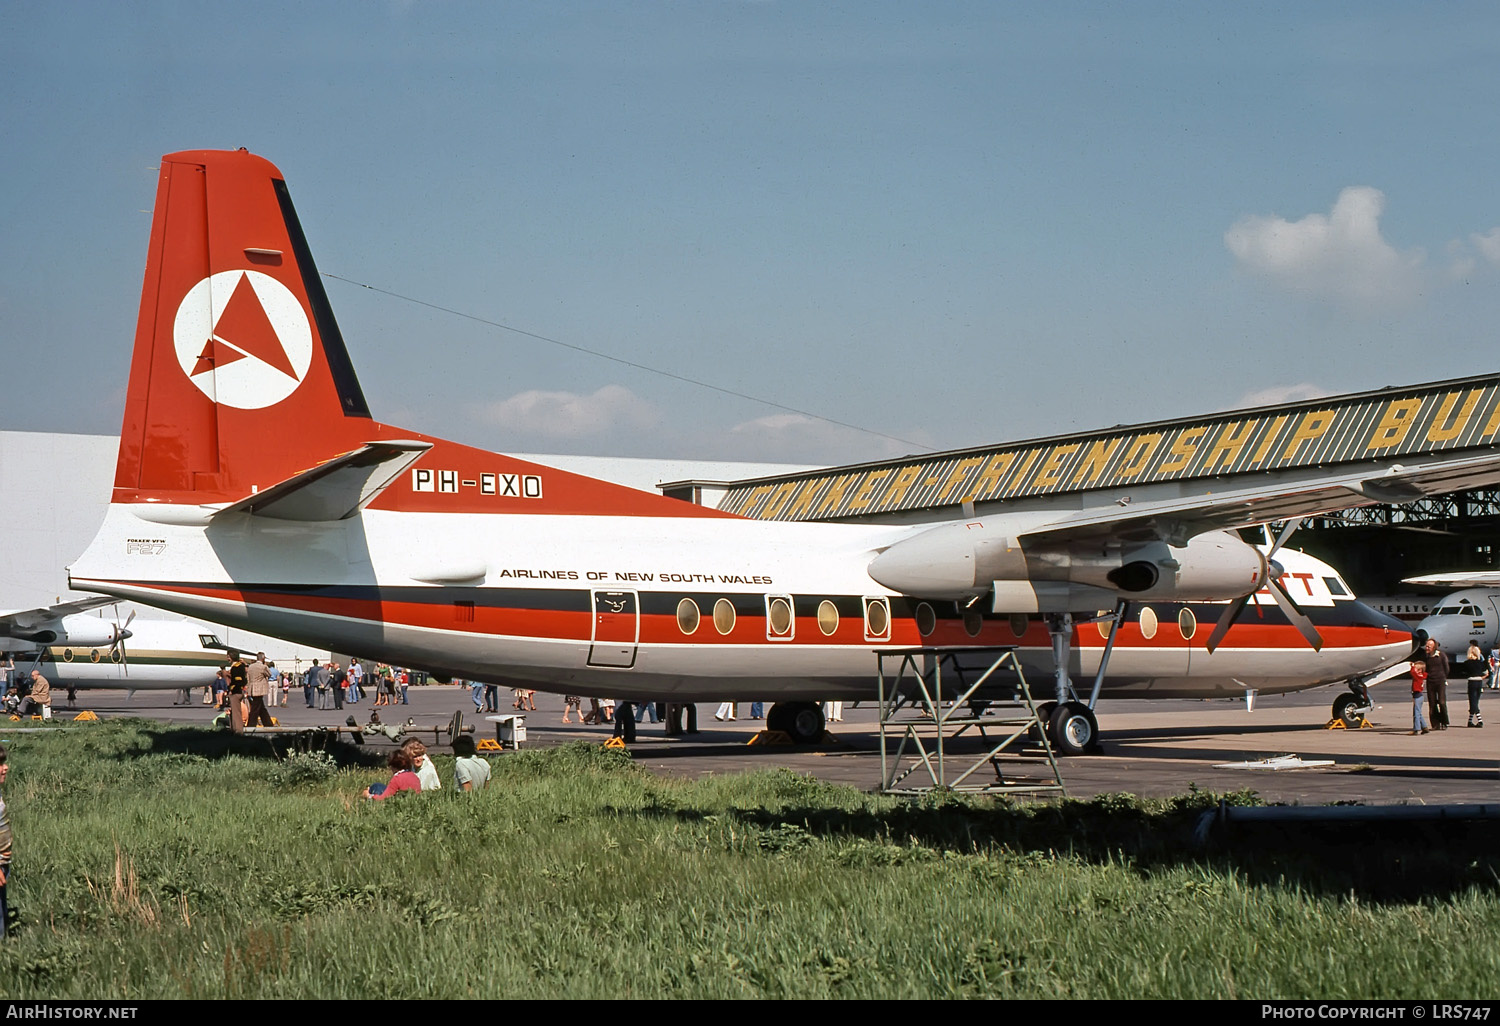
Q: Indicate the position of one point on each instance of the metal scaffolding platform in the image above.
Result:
(940, 689)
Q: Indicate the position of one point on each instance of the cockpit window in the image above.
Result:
(1447, 611)
(1335, 586)
(210, 641)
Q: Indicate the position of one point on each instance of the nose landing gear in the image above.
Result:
(1352, 707)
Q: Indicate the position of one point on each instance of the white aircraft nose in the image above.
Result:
(1450, 631)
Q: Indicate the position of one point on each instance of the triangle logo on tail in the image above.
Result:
(243, 339)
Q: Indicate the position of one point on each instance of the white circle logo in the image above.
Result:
(243, 339)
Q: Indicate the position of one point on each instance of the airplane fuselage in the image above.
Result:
(658, 607)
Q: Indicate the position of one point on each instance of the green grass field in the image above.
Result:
(159, 862)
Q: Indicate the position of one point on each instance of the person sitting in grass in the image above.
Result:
(470, 771)
(402, 778)
(422, 766)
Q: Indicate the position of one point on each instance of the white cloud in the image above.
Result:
(540, 414)
(1340, 256)
(1275, 394)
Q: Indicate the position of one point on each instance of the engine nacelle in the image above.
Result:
(964, 561)
(1211, 567)
(77, 630)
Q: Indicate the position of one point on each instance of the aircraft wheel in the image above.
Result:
(1343, 709)
(1073, 729)
(801, 721)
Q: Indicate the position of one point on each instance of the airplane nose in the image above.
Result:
(1450, 632)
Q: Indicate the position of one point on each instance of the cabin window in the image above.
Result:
(724, 616)
(779, 617)
(926, 619)
(687, 616)
(1187, 623)
(1018, 622)
(973, 622)
(1105, 622)
(877, 618)
(828, 617)
(1148, 622)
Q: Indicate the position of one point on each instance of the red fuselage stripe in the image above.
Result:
(660, 629)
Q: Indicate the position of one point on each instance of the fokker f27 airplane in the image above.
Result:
(254, 489)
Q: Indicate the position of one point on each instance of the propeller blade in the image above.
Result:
(1231, 613)
(1284, 536)
(122, 631)
(1296, 616)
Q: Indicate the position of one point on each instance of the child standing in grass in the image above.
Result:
(4, 844)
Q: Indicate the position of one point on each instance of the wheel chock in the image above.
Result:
(615, 742)
(781, 737)
(488, 744)
(87, 714)
(1338, 724)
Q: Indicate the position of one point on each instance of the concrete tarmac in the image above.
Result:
(1149, 748)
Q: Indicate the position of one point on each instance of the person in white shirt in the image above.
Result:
(422, 766)
(470, 772)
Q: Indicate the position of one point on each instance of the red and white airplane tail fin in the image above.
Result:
(240, 380)
(240, 376)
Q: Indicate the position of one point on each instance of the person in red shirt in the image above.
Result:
(402, 778)
(1418, 698)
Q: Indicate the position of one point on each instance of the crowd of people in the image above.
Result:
(323, 685)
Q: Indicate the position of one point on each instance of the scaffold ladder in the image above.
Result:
(946, 708)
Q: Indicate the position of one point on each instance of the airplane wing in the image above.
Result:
(1176, 520)
(1470, 579)
(335, 490)
(26, 620)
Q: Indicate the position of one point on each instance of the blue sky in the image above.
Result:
(950, 223)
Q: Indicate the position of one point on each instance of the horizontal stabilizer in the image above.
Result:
(335, 490)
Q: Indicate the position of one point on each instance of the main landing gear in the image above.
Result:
(1073, 729)
(801, 721)
(1070, 722)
